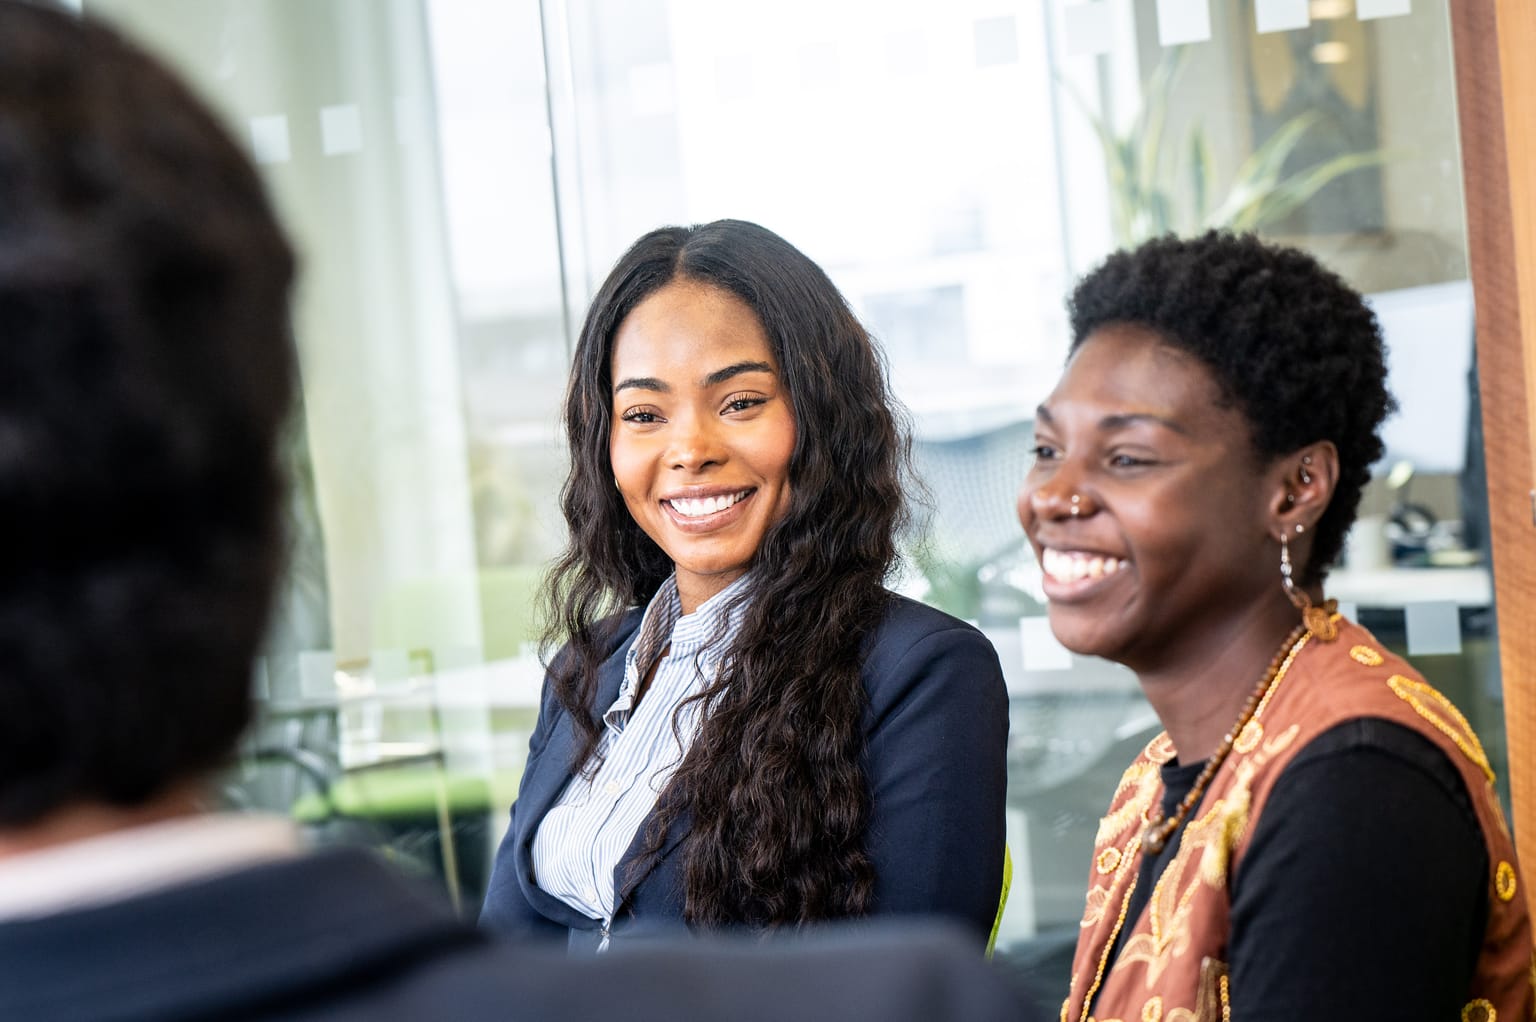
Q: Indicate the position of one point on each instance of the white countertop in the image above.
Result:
(1397, 587)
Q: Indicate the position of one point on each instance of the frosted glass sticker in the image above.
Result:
(997, 41)
(1432, 628)
(1183, 21)
(1281, 15)
(1086, 27)
(1041, 650)
(341, 129)
(269, 139)
(1368, 9)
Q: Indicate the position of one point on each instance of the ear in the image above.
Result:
(1304, 481)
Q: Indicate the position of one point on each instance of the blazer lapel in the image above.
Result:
(626, 875)
(546, 779)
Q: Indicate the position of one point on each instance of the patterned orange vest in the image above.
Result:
(1172, 965)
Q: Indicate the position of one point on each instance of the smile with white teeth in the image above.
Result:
(698, 507)
(1068, 566)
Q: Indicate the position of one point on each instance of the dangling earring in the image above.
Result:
(1319, 620)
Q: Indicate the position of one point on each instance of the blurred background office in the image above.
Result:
(460, 173)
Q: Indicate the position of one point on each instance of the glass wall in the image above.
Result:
(459, 174)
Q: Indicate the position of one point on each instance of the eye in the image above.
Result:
(1129, 461)
(1043, 452)
(742, 402)
(641, 416)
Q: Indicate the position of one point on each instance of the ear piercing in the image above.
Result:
(1306, 476)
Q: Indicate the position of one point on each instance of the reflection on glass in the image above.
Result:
(460, 172)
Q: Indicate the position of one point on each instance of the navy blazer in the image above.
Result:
(936, 736)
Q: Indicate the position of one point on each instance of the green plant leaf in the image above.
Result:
(1259, 173)
(1147, 128)
(1296, 190)
(1199, 171)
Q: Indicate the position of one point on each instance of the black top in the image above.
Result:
(1363, 894)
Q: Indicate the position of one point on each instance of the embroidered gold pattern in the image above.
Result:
(1430, 705)
(1479, 1010)
(1152, 1011)
(1098, 901)
(1504, 881)
(1366, 655)
(1249, 738)
(1280, 742)
(1203, 856)
(1143, 778)
(1108, 860)
(1226, 998)
(1114, 933)
(1211, 1001)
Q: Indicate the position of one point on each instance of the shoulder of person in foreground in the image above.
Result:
(840, 974)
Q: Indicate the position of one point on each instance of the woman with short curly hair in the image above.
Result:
(744, 727)
(1315, 834)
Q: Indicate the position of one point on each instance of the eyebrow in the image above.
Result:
(719, 376)
(714, 379)
(1110, 423)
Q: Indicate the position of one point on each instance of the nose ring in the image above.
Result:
(1077, 505)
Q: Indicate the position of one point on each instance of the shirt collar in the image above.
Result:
(704, 634)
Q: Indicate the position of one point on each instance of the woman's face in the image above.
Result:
(702, 432)
(1146, 506)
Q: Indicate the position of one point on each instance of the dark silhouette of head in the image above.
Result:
(146, 369)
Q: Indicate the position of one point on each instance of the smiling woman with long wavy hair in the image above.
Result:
(744, 726)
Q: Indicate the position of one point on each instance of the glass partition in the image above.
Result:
(460, 173)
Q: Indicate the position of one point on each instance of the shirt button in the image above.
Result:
(611, 788)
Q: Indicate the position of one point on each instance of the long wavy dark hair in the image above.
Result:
(773, 787)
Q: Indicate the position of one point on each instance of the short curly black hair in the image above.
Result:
(1294, 348)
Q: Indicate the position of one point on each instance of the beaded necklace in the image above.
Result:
(1159, 828)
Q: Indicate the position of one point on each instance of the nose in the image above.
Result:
(695, 442)
(1053, 499)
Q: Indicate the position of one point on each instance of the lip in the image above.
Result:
(1077, 574)
(714, 521)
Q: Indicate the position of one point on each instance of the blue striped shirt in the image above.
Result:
(583, 837)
